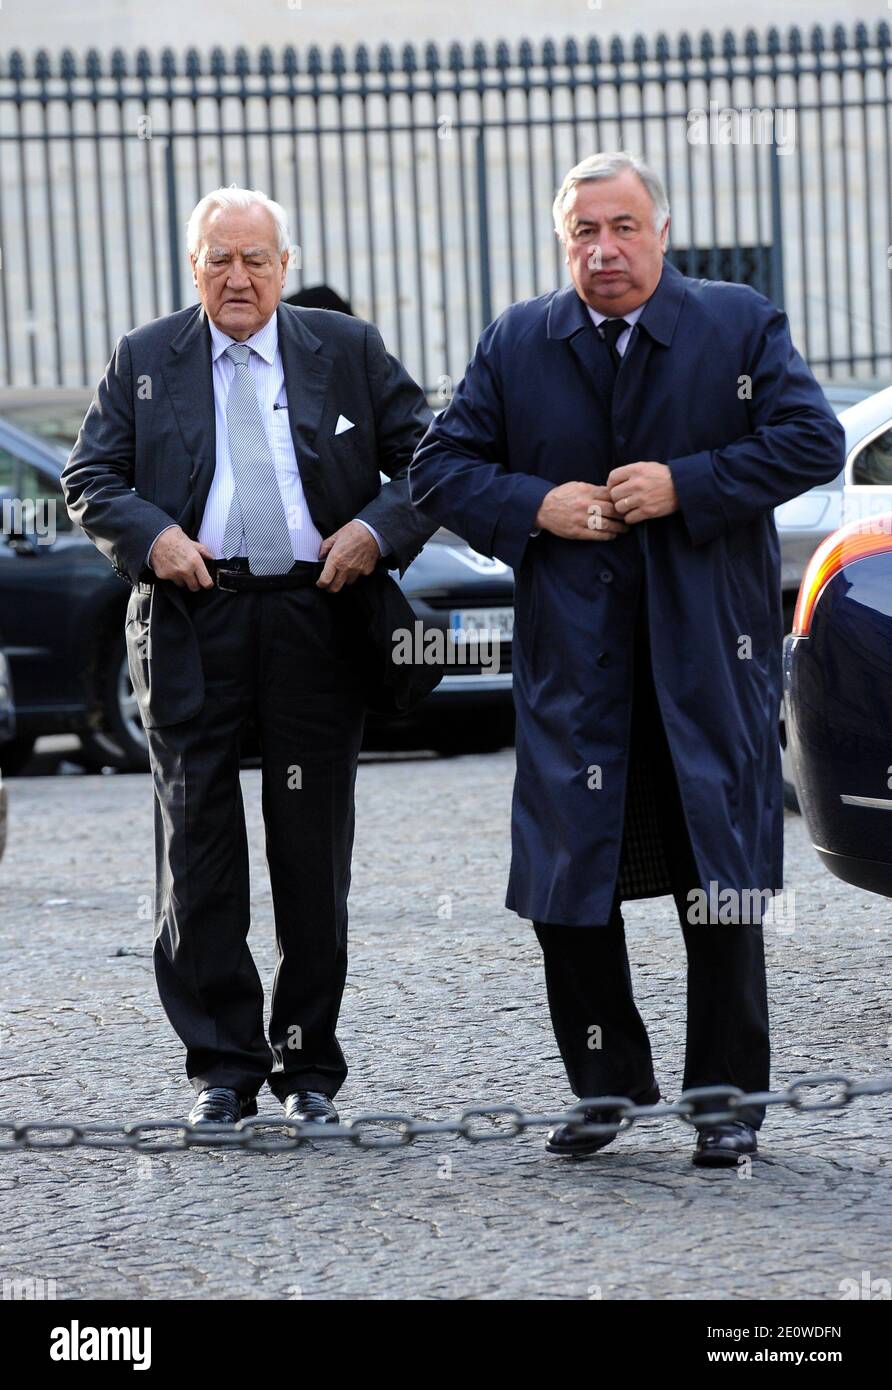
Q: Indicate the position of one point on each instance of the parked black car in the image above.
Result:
(7, 733)
(838, 691)
(62, 610)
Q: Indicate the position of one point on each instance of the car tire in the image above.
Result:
(121, 743)
(15, 755)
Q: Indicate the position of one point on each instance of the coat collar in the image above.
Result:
(567, 314)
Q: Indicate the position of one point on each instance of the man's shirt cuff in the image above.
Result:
(152, 546)
(384, 548)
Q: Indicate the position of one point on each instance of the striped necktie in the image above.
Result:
(257, 508)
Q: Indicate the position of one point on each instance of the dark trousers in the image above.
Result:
(272, 656)
(602, 1039)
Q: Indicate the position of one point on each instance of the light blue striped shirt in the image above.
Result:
(265, 366)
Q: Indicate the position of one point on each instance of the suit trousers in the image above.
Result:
(600, 1034)
(271, 658)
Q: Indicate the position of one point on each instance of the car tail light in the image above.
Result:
(866, 536)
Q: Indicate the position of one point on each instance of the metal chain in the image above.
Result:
(700, 1106)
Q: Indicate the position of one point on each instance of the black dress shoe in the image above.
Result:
(220, 1105)
(563, 1143)
(312, 1106)
(720, 1146)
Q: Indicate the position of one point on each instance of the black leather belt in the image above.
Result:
(235, 576)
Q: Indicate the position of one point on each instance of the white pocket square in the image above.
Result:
(343, 425)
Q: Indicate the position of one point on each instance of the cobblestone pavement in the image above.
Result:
(445, 1006)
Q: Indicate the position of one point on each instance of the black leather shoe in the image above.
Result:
(312, 1106)
(563, 1143)
(219, 1105)
(720, 1146)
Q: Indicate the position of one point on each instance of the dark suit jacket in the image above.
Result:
(146, 453)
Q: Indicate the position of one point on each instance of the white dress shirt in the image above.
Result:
(631, 319)
(265, 366)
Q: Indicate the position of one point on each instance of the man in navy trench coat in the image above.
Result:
(628, 474)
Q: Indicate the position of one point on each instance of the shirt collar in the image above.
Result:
(265, 341)
(631, 317)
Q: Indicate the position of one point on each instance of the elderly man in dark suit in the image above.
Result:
(622, 442)
(230, 468)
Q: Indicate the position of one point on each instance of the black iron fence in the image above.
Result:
(420, 182)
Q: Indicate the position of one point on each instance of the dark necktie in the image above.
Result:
(612, 330)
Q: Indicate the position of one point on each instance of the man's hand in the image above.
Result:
(580, 512)
(640, 491)
(176, 556)
(348, 553)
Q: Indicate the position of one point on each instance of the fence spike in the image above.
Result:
(456, 58)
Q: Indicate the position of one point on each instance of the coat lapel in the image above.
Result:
(188, 375)
(568, 318)
(308, 372)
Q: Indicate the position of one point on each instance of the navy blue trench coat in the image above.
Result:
(711, 385)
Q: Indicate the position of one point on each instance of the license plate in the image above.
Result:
(491, 624)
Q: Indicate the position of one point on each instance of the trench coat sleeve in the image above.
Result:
(460, 474)
(402, 415)
(796, 443)
(97, 481)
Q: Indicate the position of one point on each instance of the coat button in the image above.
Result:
(606, 577)
(603, 658)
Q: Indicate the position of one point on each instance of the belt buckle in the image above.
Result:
(222, 575)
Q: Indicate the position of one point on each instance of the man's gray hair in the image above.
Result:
(234, 197)
(607, 166)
